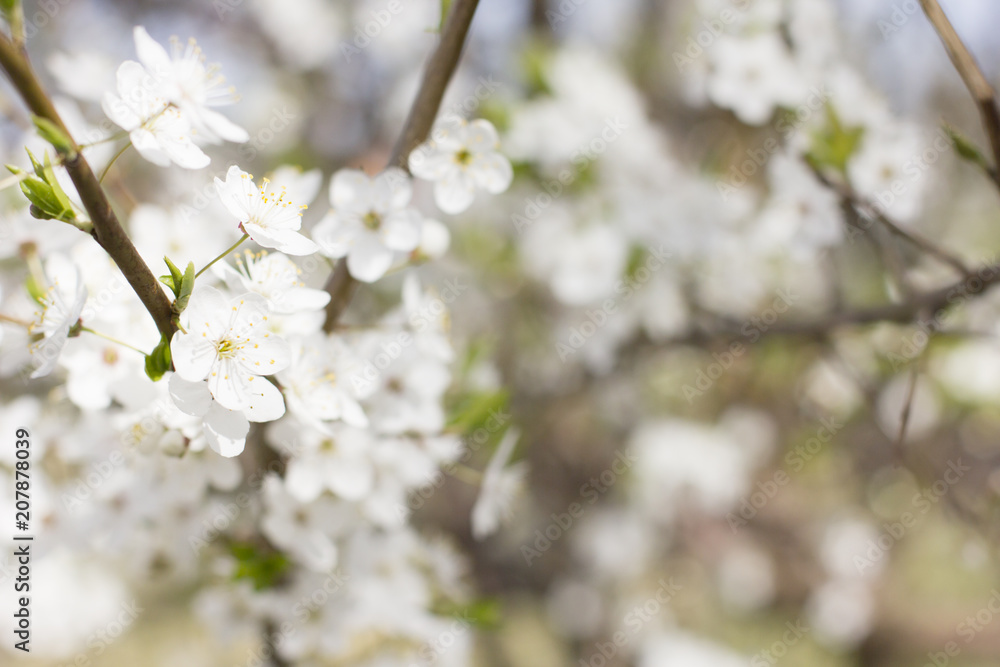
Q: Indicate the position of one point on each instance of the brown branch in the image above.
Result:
(849, 198)
(437, 75)
(107, 231)
(927, 304)
(977, 83)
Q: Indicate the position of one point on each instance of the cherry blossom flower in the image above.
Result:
(267, 217)
(182, 78)
(370, 221)
(276, 278)
(317, 385)
(227, 341)
(500, 483)
(225, 430)
(753, 76)
(157, 129)
(62, 305)
(461, 157)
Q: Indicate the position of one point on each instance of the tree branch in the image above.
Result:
(107, 230)
(437, 75)
(927, 304)
(977, 83)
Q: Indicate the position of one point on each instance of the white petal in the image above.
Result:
(294, 243)
(237, 192)
(334, 235)
(480, 136)
(351, 190)
(492, 171)
(191, 398)
(228, 385)
(351, 479)
(391, 190)
(369, 259)
(401, 230)
(265, 402)
(222, 126)
(193, 355)
(153, 56)
(225, 430)
(454, 193)
(149, 148)
(303, 480)
(119, 112)
(302, 298)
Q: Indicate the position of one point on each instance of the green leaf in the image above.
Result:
(168, 280)
(36, 165)
(445, 6)
(472, 411)
(175, 275)
(263, 569)
(483, 613)
(185, 289)
(834, 145)
(50, 178)
(158, 361)
(966, 149)
(42, 197)
(54, 135)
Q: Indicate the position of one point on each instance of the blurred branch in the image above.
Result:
(437, 74)
(849, 198)
(980, 88)
(107, 230)
(926, 303)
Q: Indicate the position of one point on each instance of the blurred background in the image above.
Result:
(700, 486)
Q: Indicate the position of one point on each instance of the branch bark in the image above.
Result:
(928, 304)
(437, 75)
(107, 230)
(973, 77)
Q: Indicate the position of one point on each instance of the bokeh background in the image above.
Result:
(684, 501)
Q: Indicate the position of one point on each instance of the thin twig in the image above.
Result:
(107, 230)
(437, 74)
(849, 198)
(977, 83)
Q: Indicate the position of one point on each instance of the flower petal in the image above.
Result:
(265, 402)
(191, 398)
(369, 259)
(225, 430)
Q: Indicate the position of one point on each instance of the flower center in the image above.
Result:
(372, 220)
(226, 348)
(463, 157)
